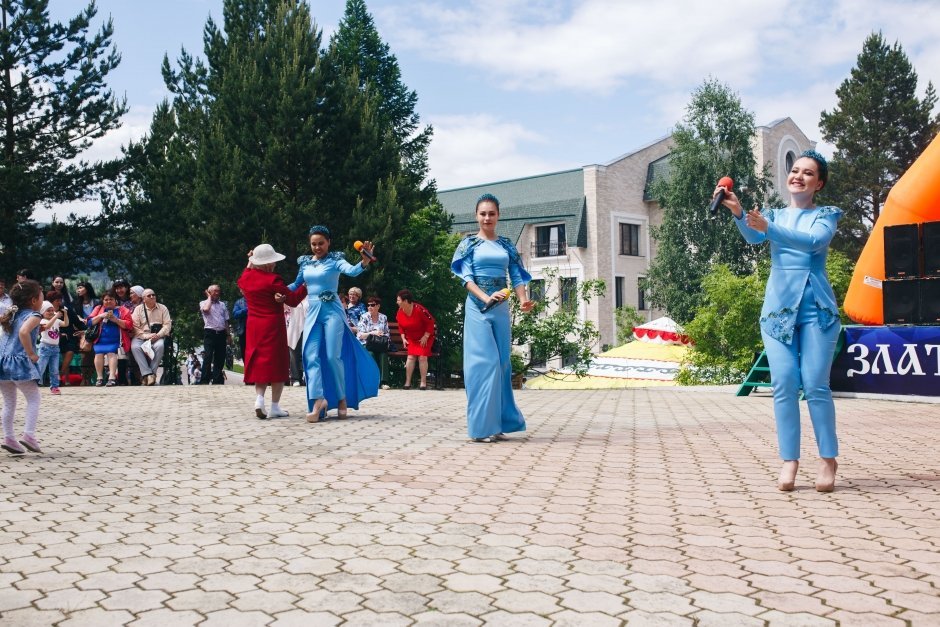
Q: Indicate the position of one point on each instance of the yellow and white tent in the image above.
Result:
(653, 359)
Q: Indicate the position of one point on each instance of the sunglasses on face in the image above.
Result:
(373, 304)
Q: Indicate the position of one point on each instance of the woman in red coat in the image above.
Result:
(266, 356)
(416, 325)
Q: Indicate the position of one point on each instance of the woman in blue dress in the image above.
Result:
(482, 262)
(116, 325)
(340, 372)
(800, 317)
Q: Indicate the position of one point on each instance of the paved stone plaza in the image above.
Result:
(176, 506)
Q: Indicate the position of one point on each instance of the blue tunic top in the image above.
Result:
(486, 262)
(799, 244)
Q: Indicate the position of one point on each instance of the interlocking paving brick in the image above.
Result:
(795, 619)
(31, 617)
(655, 619)
(653, 506)
(97, 617)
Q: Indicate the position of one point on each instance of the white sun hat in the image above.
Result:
(264, 254)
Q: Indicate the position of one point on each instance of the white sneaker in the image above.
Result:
(386, 387)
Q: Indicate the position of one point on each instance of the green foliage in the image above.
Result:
(840, 269)
(54, 102)
(626, 319)
(879, 127)
(714, 140)
(726, 331)
(517, 363)
(267, 135)
(551, 330)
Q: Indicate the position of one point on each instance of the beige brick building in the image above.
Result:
(594, 221)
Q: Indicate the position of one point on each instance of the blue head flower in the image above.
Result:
(322, 230)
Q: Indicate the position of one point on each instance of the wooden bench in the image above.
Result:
(395, 336)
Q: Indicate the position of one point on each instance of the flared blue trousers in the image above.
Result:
(491, 407)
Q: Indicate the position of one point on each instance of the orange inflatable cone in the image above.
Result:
(914, 198)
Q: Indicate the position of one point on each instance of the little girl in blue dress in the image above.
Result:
(19, 327)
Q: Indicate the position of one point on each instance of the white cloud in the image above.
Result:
(600, 45)
(470, 149)
(597, 45)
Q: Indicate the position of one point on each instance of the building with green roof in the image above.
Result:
(594, 221)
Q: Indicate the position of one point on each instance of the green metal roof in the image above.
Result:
(542, 199)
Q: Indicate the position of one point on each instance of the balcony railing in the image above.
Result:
(549, 249)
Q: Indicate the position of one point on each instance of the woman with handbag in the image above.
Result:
(83, 304)
(113, 324)
(374, 335)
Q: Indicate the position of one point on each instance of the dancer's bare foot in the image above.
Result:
(788, 475)
(826, 479)
(319, 406)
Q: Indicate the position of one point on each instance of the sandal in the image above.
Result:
(111, 383)
(99, 383)
(489, 440)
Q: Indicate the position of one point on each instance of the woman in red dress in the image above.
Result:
(266, 355)
(416, 325)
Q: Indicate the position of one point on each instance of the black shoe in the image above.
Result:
(406, 387)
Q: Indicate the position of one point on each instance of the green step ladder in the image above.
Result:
(758, 377)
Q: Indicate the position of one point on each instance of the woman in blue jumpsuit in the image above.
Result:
(800, 317)
(340, 372)
(482, 262)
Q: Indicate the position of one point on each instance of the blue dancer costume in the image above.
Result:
(491, 408)
(799, 322)
(337, 365)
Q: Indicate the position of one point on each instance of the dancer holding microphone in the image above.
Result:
(800, 317)
(482, 262)
(339, 371)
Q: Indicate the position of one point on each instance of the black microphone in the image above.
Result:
(726, 183)
(495, 302)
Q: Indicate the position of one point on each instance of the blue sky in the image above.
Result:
(521, 87)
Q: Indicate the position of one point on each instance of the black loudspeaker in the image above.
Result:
(901, 301)
(931, 238)
(930, 300)
(902, 251)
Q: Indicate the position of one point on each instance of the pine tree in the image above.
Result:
(54, 102)
(879, 127)
(358, 46)
(714, 140)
